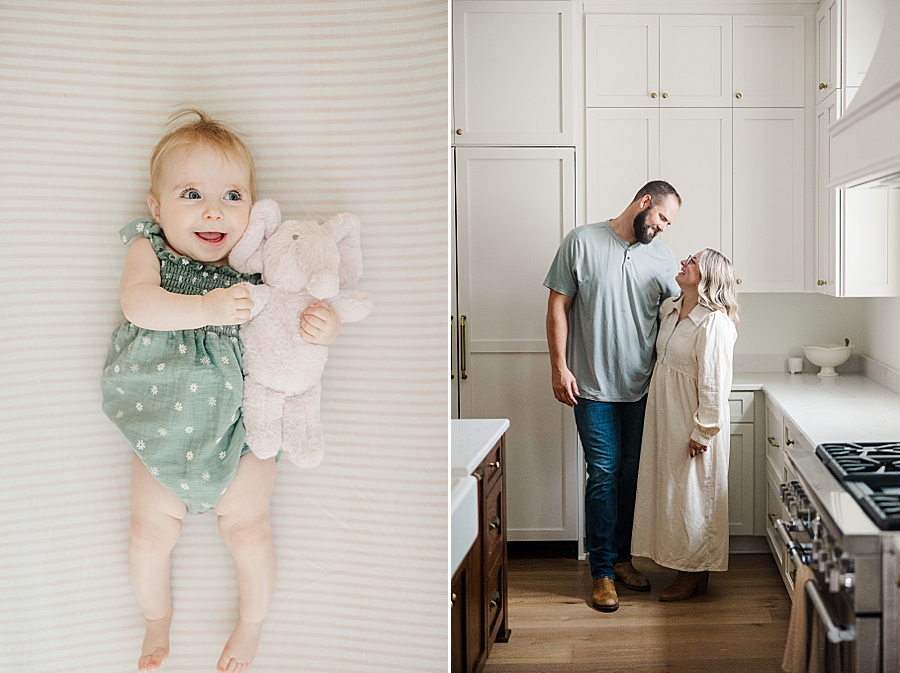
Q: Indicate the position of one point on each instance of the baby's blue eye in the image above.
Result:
(191, 194)
(233, 196)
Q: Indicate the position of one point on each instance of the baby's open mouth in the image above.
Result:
(211, 236)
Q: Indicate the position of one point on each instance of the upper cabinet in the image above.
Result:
(513, 73)
(693, 61)
(828, 62)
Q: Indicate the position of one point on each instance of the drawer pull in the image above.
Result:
(452, 599)
(772, 442)
(495, 523)
(495, 465)
(789, 442)
(495, 600)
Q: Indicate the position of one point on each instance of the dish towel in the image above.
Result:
(803, 653)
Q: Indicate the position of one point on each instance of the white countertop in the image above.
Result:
(470, 441)
(845, 408)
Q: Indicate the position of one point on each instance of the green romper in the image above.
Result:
(176, 396)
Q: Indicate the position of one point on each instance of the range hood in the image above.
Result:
(865, 141)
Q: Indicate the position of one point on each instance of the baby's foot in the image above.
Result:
(155, 649)
(240, 648)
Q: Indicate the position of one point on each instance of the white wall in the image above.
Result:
(780, 324)
(882, 324)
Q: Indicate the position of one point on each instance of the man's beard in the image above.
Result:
(643, 232)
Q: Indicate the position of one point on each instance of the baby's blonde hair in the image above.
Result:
(203, 130)
(717, 288)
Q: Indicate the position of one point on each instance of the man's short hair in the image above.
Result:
(657, 190)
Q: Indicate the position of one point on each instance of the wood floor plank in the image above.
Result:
(739, 626)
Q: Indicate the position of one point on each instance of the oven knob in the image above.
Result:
(847, 580)
(834, 579)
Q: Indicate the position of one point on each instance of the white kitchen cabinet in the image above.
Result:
(693, 61)
(828, 223)
(689, 147)
(513, 208)
(512, 72)
(768, 199)
(741, 465)
(768, 61)
(828, 61)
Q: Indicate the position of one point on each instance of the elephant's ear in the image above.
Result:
(246, 256)
(344, 227)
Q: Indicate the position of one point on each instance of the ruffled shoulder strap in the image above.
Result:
(144, 227)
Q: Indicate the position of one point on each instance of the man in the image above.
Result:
(606, 284)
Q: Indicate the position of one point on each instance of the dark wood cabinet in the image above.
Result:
(479, 615)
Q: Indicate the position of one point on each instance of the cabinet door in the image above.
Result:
(695, 61)
(740, 480)
(695, 157)
(513, 208)
(621, 61)
(828, 49)
(768, 61)
(828, 226)
(768, 199)
(871, 242)
(622, 156)
(512, 73)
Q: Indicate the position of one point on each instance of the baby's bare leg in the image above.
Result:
(156, 515)
(245, 526)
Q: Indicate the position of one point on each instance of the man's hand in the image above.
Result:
(696, 448)
(227, 305)
(319, 324)
(565, 388)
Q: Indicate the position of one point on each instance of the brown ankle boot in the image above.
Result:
(630, 577)
(604, 596)
(686, 585)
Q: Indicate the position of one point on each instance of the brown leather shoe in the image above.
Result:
(686, 585)
(604, 597)
(631, 578)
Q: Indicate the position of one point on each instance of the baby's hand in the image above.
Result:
(319, 324)
(227, 305)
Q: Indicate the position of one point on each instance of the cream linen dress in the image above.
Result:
(681, 511)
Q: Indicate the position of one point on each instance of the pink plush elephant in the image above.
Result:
(301, 263)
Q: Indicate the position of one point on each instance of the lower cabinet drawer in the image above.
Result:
(494, 539)
(494, 596)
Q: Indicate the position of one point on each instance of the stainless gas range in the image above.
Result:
(844, 523)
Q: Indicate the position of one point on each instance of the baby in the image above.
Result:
(173, 380)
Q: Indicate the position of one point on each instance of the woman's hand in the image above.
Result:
(319, 324)
(696, 448)
(227, 305)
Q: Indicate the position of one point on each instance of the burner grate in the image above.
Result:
(882, 504)
(872, 463)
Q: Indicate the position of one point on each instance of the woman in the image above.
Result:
(681, 512)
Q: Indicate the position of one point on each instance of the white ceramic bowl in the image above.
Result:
(827, 356)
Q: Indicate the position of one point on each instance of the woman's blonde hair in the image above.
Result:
(202, 130)
(717, 289)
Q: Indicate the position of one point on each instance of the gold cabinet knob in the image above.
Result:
(452, 599)
(459, 132)
(789, 442)
(665, 95)
(653, 95)
(496, 465)
(822, 85)
(495, 523)
(820, 282)
(737, 95)
(738, 281)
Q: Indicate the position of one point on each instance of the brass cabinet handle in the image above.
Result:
(772, 442)
(821, 282)
(462, 347)
(495, 523)
(822, 85)
(495, 600)
(653, 95)
(459, 132)
(452, 599)
(737, 95)
(496, 465)
(789, 442)
(738, 281)
(665, 95)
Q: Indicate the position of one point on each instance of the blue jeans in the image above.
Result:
(610, 434)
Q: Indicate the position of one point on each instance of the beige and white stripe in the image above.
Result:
(344, 105)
